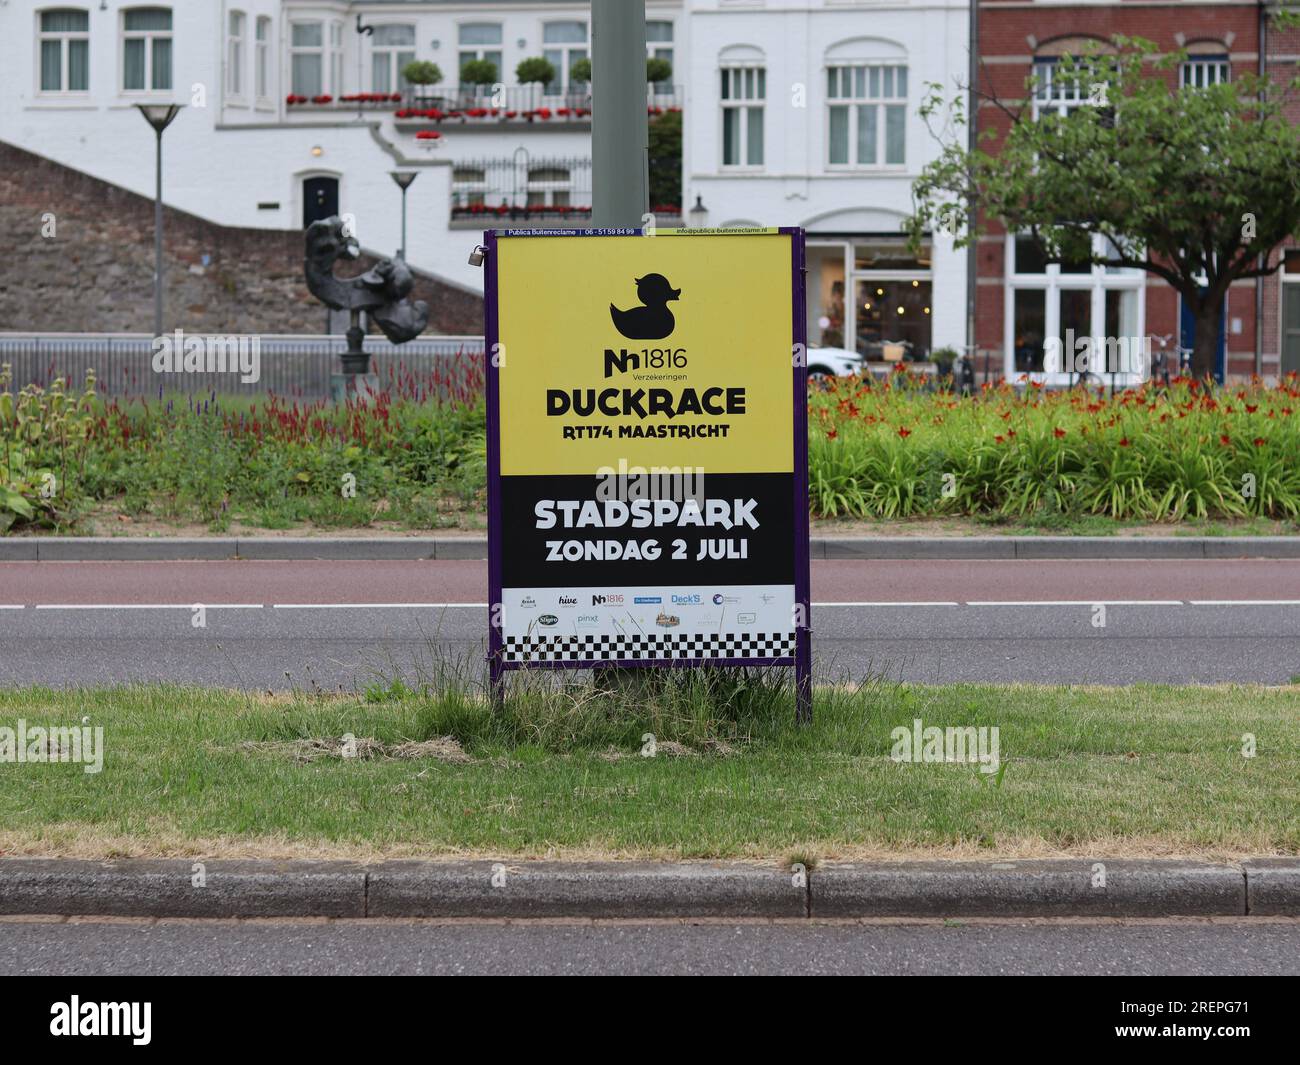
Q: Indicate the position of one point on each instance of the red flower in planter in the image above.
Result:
(393, 97)
(543, 113)
(477, 112)
(403, 112)
(562, 111)
(512, 114)
(428, 135)
(323, 98)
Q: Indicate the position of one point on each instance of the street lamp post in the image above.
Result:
(620, 141)
(404, 179)
(159, 116)
(699, 214)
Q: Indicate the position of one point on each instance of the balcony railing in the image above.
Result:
(525, 191)
(477, 103)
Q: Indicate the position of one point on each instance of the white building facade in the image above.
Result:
(796, 112)
(805, 112)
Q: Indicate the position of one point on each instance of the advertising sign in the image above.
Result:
(647, 448)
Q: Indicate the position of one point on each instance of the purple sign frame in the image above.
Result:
(802, 658)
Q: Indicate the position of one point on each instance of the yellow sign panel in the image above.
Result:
(659, 350)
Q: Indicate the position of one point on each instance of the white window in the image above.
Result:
(1204, 71)
(564, 43)
(659, 45)
(480, 40)
(263, 58)
(64, 39)
(548, 186)
(1054, 94)
(867, 115)
(468, 186)
(1071, 308)
(146, 49)
(235, 54)
(336, 58)
(307, 59)
(392, 47)
(744, 90)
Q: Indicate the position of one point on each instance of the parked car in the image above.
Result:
(832, 362)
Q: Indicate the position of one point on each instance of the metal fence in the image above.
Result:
(298, 366)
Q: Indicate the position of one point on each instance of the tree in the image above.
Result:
(666, 160)
(658, 70)
(580, 71)
(422, 72)
(478, 72)
(1197, 186)
(535, 69)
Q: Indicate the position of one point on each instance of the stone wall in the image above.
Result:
(95, 274)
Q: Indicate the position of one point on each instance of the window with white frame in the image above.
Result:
(744, 92)
(307, 58)
(1203, 71)
(1070, 303)
(64, 41)
(659, 45)
(1053, 93)
(867, 115)
(146, 49)
(336, 57)
(563, 44)
(235, 54)
(262, 59)
(392, 48)
(468, 186)
(548, 186)
(480, 40)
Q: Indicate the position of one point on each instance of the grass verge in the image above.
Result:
(1138, 771)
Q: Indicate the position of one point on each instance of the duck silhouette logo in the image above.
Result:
(653, 320)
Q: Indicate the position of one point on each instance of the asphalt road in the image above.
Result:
(1222, 946)
(329, 624)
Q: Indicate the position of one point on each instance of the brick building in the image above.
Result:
(1022, 300)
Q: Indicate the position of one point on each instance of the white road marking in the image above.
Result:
(149, 606)
(890, 603)
(1076, 602)
(378, 606)
(823, 605)
(1245, 602)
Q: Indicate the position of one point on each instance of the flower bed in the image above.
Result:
(896, 451)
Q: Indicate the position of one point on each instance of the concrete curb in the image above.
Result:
(1273, 886)
(474, 548)
(1061, 888)
(635, 890)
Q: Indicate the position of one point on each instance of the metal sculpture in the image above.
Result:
(381, 292)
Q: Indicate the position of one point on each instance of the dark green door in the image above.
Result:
(1290, 328)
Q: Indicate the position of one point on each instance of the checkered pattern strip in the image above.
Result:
(648, 647)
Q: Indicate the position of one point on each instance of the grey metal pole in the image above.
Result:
(158, 243)
(620, 136)
(403, 223)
